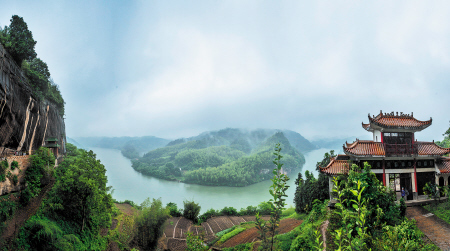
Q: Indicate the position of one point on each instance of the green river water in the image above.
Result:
(131, 185)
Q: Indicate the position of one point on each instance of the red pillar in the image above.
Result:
(415, 176)
(384, 175)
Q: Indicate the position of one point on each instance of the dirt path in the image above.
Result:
(437, 230)
(22, 215)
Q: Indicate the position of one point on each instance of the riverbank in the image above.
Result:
(130, 185)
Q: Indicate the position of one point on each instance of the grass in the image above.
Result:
(441, 210)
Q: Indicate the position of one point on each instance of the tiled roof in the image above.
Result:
(365, 148)
(336, 167)
(444, 166)
(371, 148)
(396, 121)
(430, 148)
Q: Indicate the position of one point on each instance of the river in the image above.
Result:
(131, 185)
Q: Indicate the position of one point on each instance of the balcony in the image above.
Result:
(400, 150)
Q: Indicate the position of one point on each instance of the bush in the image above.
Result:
(264, 208)
(14, 165)
(15, 179)
(191, 210)
(250, 210)
(173, 209)
(229, 211)
(3, 167)
(210, 213)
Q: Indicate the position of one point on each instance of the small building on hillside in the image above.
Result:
(396, 157)
(52, 144)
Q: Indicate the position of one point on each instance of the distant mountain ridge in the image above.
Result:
(253, 137)
(140, 144)
(230, 157)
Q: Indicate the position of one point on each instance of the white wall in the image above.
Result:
(377, 136)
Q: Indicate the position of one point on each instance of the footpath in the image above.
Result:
(437, 230)
(22, 215)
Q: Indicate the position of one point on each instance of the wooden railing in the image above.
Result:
(400, 149)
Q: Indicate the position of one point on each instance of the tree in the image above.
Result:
(149, 223)
(310, 189)
(18, 40)
(80, 194)
(191, 210)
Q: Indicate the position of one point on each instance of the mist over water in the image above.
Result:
(131, 185)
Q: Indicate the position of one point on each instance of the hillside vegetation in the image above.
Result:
(229, 157)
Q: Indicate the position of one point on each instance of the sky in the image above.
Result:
(177, 68)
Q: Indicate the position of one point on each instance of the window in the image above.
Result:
(386, 134)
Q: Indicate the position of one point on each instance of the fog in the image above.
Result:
(177, 68)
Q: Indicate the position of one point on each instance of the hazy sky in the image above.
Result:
(177, 68)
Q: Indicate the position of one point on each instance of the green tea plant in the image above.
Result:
(278, 192)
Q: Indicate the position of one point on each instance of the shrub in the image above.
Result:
(14, 165)
(210, 213)
(264, 208)
(3, 167)
(191, 210)
(15, 179)
(173, 209)
(250, 210)
(229, 211)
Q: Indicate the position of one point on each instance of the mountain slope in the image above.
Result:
(231, 157)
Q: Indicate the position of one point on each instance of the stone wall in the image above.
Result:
(8, 185)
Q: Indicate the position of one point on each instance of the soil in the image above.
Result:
(22, 215)
(251, 235)
(126, 208)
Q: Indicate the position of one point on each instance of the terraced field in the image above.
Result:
(251, 235)
(174, 237)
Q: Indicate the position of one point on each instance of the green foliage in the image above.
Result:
(41, 164)
(229, 211)
(173, 209)
(431, 189)
(191, 210)
(129, 151)
(15, 179)
(365, 219)
(208, 214)
(277, 203)
(3, 167)
(310, 189)
(240, 247)
(218, 160)
(229, 235)
(405, 236)
(442, 210)
(18, 40)
(80, 194)
(194, 243)
(7, 209)
(72, 150)
(14, 165)
(249, 210)
(149, 223)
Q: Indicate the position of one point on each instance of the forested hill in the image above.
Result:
(136, 144)
(229, 157)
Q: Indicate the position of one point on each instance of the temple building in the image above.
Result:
(396, 157)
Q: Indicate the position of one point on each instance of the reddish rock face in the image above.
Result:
(25, 122)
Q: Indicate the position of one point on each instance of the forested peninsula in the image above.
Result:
(228, 157)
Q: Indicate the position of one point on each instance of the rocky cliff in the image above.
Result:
(25, 122)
